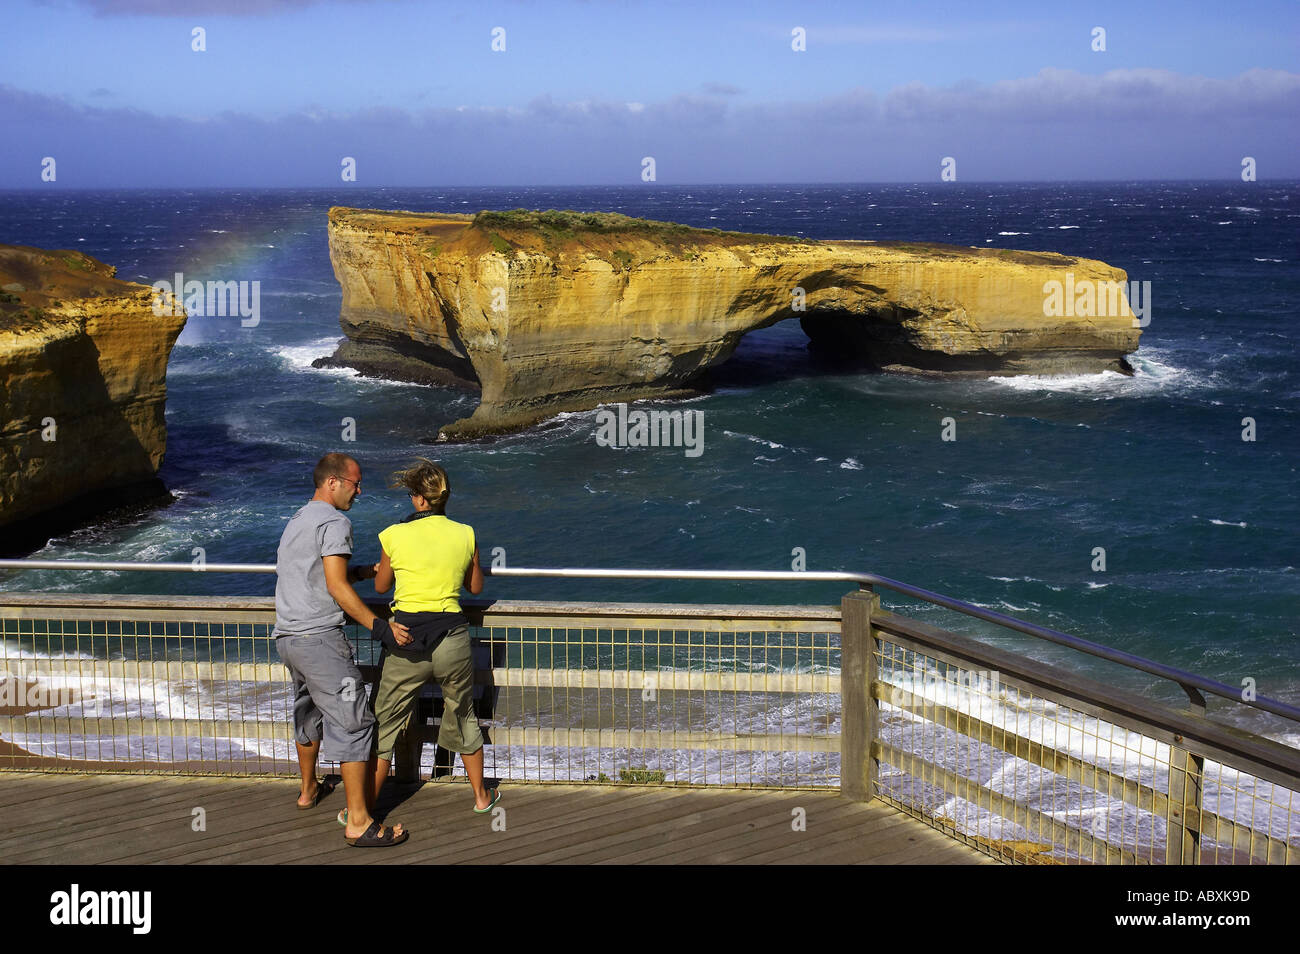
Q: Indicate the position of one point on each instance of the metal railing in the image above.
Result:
(1024, 761)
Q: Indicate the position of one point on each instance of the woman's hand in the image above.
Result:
(360, 572)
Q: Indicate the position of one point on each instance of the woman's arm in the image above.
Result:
(473, 574)
(383, 574)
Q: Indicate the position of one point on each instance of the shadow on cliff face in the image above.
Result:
(95, 468)
(838, 342)
(786, 351)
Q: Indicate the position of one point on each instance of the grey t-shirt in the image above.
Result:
(303, 605)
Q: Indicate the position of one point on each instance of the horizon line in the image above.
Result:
(54, 187)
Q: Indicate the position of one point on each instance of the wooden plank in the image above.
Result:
(573, 821)
(723, 815)
(246, 830)
(160, 670)
(145, 819)
(47, 814)
(259, 823)
(443, 829)
(657, 739)
(854, 828)
(514, 613)
(106, 727)
(77, 831)
(632, 680)
(830, 821)
(856, 776)
(699, 820)
(18, 789)
(151, 833)
(674, 680)
(853, 825)
(622, 811)
(622, 839)
(701, 842)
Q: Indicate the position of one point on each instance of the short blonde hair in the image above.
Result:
(425, 478)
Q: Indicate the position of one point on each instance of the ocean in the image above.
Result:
(1198, 525)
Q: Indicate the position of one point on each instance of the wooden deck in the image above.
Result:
(149, 819)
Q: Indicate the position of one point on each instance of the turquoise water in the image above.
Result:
(1198, 526)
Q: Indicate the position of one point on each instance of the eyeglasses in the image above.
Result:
(348, 479)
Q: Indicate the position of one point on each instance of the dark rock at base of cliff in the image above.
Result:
(119, 505)
(855, 342)
(429, 366)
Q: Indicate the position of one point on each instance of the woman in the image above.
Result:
(430, 558)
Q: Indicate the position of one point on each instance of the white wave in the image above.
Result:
(850, 464)
(1269, 260)
(1067, 226)
(1097, 586)
(1226, 523)
(1013, 233)
(300, 357)
(757, 440)
(1150, 376)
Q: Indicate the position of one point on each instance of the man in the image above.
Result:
(312, 591)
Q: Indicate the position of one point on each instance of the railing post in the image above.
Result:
(408, 748)
(859, 707)
(1183, 829)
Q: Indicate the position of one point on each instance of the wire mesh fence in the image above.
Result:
(1024, 775)
(1017, 759)
(618, 698)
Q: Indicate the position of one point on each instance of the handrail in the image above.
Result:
(1187, 680)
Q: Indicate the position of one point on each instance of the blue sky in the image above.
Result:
(113, 90)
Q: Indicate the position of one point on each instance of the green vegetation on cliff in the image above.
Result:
(568, 225)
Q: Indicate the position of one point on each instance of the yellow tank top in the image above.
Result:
(429, 556)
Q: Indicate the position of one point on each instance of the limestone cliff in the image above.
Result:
(555, 311)
(83, 372)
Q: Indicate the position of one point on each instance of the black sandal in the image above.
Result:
(323, 788)
(371, 838)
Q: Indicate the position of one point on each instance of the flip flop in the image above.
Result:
(322, 789)
(371, 838)
(496, 797)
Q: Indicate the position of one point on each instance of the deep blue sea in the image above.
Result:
(1199, 527)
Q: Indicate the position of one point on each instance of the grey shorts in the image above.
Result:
(329, 696)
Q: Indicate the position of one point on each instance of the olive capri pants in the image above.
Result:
(451, 663)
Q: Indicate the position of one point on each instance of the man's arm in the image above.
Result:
(336, 581)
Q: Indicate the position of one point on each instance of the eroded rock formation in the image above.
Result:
(548, 312)
(83, 385)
